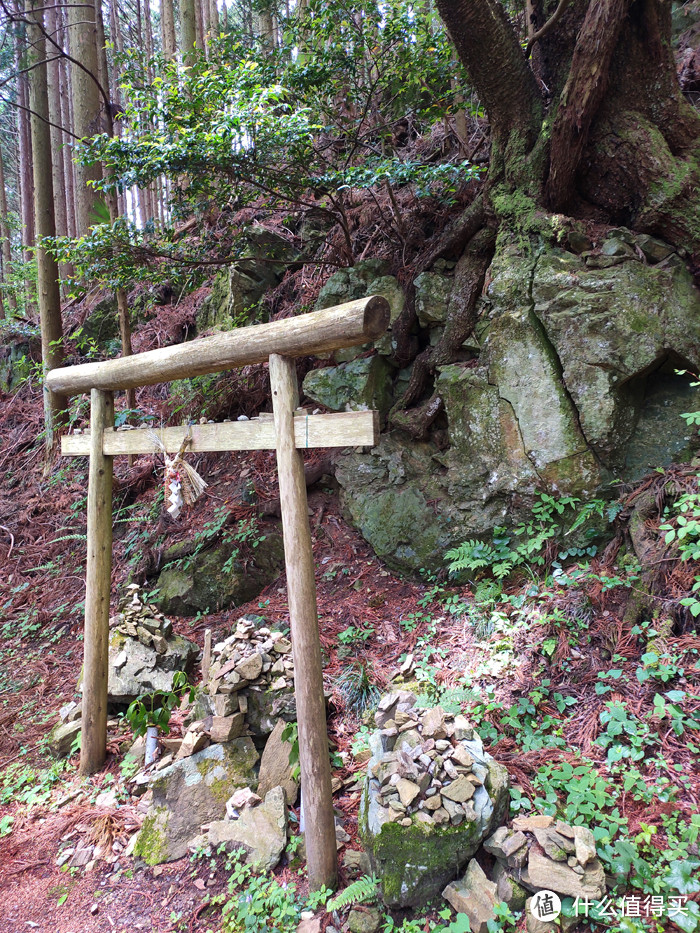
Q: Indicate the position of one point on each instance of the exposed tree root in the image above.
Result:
(470, 274)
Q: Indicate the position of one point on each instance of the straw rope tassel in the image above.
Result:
(183, 484)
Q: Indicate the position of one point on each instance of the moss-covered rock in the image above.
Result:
(18, 357)
(433, 292)
(386, 495)
(101, 326)
(216, 579)
(415, 862)
(264, 258)
(191, 792)
(575, 387)
(615, 331)
(358, 385)
(368, 277)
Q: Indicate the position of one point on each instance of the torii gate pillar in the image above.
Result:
(303, 617)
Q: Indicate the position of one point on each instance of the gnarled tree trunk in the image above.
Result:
(589, 121)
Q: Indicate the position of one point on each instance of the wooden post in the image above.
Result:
(314, 759)
(206, 656)
(93, 746)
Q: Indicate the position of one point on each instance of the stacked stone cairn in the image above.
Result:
(144, 652)
(426, 771)
(251, 660)
(541, 852)
(430, 798)
(143, 622)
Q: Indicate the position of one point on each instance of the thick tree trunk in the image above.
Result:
(582, 96)
(188, 29)
(167, 27)
(47, 268)
(87, 108)
(489, 49)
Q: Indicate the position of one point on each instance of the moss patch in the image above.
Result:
(151, 846)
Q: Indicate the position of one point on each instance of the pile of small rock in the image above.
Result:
(540, 852)
(250, 660)
(537, 853)
(144, 652)
(426, 770)
(143, 622)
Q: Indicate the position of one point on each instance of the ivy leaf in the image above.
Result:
(682, 875)
(688, 922)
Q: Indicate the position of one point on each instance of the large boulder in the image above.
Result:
(233, 300)
(190, 792)
(260, 831)
(574, 388)
(430, 797)
(216, 579)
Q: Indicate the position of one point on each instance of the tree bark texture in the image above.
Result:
(188, 29)
(596, 116)
(26, 176)
(167, 27)
(87, 107)
(47, 268)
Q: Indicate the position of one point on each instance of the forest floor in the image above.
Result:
(542, 667)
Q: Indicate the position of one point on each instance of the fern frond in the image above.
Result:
(361, 891)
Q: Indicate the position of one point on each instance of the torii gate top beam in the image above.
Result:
(313, 334)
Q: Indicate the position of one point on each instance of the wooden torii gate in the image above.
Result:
(288, 432)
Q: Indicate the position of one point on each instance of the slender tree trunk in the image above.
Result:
(26, 177)
(48, 284)
(8, 293)
(199, 24)
(68, 165)
(54, 90)
(204, 15)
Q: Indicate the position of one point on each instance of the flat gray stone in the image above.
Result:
(275, 770)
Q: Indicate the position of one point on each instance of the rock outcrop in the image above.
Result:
(568, 384)
(215, 578)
